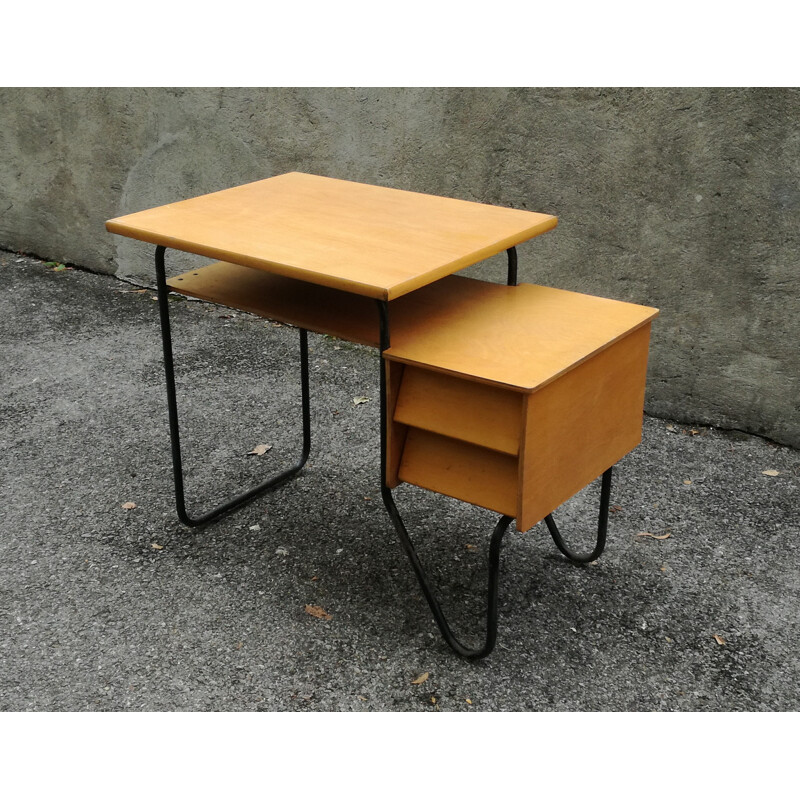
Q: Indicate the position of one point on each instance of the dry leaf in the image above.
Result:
(718, 639)
(361, 697)
(260, 449)
(433, 700)
(421, 678)
(157, 546)
(318, 611)
(472, 547)
(468, 701)
(771, 472)
(694, 432)
(128, 506)
(615, 509)
(653, 536)
(357, 401)
(687, 482)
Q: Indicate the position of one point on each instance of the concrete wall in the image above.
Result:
(685, 199)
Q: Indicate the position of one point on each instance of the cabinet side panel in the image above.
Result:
(581, 424)
(395, 431)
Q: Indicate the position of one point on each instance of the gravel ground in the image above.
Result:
(108, 608)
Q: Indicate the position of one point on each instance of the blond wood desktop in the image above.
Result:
(509, 397)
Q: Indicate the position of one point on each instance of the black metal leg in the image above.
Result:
(405, 540)
(602, 527)
(427, 590)
(512, 266)
(177, 464)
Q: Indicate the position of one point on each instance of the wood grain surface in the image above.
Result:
(369, 240)
(457, 469)
(518, 336)
(580, 425)
(472, 412)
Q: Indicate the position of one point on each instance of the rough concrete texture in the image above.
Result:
(686, 199)
(103, 608)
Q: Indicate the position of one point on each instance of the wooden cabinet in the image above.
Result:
(519, 401)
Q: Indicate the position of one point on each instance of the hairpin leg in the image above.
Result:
(166, 338)
(602, 527)
(425, 584)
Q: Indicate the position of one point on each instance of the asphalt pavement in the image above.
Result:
(109, 603)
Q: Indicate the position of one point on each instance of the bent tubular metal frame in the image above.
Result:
(177, 463)
(500, 529)
(602, 527)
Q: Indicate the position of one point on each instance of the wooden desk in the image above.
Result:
(508, 397)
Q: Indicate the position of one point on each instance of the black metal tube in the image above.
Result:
(169, 374)
(512, 266)
(306, 397)
(602, 526)
(172, 407)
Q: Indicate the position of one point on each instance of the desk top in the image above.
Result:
(368, 240)
(521, 337)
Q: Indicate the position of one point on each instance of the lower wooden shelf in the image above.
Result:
(307, 305)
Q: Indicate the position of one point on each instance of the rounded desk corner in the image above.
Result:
(549, 222)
